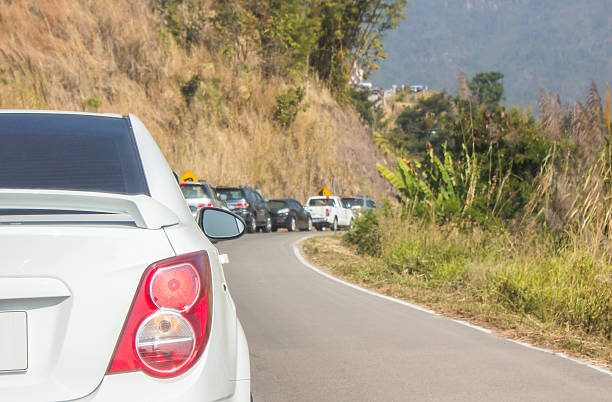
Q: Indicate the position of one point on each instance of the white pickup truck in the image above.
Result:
(329, 212)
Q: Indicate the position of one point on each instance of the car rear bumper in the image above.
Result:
(321, 222)
(280, 221)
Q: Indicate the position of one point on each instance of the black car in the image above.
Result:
(290, 214)
(248, 204)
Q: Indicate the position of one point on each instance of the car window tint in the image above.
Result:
(321, 202)
(351, 202)
(50, 151)
(276, 205)
(231, 194)
(371, 204)
(192, 191)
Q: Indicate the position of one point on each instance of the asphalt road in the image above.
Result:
(314, 339)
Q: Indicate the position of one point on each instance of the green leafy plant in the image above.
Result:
(288, 105)
(366, 234)
(438, 188)
(190, 88)
(93, 102)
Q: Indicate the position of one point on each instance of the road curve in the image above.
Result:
(314, 339)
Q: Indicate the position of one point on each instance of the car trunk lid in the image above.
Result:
(72, 286)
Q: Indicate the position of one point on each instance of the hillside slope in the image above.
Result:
(76, 55)
(556, 45)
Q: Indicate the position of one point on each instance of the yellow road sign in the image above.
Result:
(188, 176)
(324, 192)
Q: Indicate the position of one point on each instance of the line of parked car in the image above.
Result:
(269, 215)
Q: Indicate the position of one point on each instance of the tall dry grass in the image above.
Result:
(574, 193)
(118, 57)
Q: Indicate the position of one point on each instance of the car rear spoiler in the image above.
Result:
(143, 211)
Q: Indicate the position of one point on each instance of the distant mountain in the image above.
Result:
(557, 45)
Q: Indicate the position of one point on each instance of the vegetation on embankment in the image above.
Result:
(503, 219)
(229, 90)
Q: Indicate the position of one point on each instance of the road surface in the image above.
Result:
(314, 339)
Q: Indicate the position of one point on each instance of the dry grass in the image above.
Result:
(74, 55)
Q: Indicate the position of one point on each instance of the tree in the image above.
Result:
(289, 31)
(426, 122)
(488, 89)
(351, 32)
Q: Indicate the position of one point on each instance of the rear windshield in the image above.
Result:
(232, 194)
(69, 152)
(194, 191)
(321, 202)
(276, 205)
(352, 202)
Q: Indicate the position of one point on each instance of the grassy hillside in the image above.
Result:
(557, 45)
(205, 114)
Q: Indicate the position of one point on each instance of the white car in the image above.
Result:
(109, 289)
(329, 211)
(200, 195)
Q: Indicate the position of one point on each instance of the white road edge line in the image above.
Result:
(306, 263)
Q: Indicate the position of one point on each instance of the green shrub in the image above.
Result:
(190, 88)
(288, 105)
(92, 102)
(366, 234)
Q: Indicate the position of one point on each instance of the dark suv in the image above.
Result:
(249, 204)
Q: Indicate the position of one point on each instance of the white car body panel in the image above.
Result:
(336, 211)
(69, 350)
(76, 282)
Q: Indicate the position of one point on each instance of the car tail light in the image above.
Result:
(169, 322)
(242, 205)
(205, 205)
(326, 211)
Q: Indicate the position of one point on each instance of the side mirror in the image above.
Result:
(219, 224)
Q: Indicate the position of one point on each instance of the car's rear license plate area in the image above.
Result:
(13, 341)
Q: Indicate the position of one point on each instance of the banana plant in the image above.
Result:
(442, 185)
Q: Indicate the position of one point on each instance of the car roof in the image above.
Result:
(194, 183)
(26, 111)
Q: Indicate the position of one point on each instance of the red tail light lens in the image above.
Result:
(205, 205)
(326, 211)
(168, 324)
(175, 287)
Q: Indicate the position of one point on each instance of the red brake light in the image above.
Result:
(326, 211)
(205, 205)
(175, 287)
(168, 325)
(242, 205)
